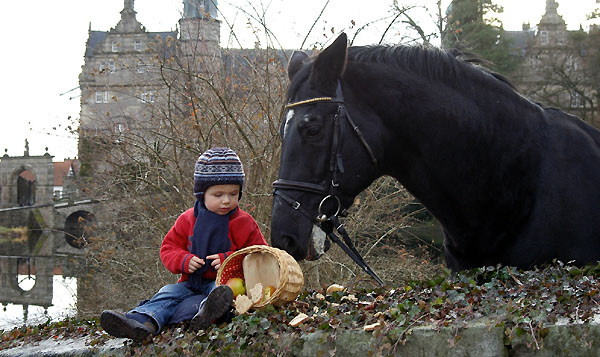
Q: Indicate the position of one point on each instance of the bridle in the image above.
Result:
(336, 168)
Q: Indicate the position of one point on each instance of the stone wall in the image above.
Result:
(40, 166)
(32, 256)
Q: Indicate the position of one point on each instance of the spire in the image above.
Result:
(128, 21)
(128, 5)
(551, 17)
(551, 7)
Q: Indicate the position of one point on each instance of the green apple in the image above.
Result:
(237, 286)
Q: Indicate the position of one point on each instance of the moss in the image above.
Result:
(13, 234)
(37, 225)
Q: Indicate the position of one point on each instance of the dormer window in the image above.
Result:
(544, 38)
(115, 46)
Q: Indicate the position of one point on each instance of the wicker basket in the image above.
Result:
(291, 279)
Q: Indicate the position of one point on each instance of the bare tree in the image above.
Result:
(142, 168)
(561, 76)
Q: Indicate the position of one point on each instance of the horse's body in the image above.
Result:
(510, 182)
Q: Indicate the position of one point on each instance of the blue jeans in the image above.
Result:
(175, 303)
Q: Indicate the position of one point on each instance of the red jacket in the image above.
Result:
(174, 253)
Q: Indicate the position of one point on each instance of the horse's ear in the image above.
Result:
(329, 65)
(297, 60)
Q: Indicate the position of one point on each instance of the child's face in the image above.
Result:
(221, 199)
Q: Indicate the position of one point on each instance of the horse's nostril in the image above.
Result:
(288, 243)
(327, 245)
(283, 242)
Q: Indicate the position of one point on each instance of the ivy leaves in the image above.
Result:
(522, 303)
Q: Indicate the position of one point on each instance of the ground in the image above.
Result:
(522, 307)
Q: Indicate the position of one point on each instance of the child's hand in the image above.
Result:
(195, 263)
(216, 263)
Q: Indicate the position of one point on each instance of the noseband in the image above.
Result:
(336, 168)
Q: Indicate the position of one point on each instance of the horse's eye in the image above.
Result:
(310, 126)
(313, 130)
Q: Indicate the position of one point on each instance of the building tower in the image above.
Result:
(200, 35)
(552, 28)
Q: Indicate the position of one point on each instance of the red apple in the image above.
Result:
(237, 286)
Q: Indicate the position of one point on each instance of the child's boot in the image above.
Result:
(119, 325)
(217, 304)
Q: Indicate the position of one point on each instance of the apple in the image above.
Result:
(268, 292)
(237, 286)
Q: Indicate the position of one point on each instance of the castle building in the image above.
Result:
(124, 70)
(553, 68)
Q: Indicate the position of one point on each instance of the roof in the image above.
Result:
(62, 169)
(520, 39)
(98, 37)
(27, 175)
(167, 47)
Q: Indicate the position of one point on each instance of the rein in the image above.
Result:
(328, 224)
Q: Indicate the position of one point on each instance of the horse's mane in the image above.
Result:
(431, 62)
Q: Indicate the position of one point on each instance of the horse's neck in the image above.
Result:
(455, 150)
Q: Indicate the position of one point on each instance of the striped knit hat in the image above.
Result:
(217, 166)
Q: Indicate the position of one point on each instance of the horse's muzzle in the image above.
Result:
(319, 244)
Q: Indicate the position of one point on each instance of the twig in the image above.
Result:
(514, 278)
(314, 23)
(537, 346)
(403, 334)
(379, 240)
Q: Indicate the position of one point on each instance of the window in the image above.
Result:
(544, 38)
(561, 38)
(148, 97)
(137, 45)
(26, 184)
(115, 46)
(111, 65)
(101, 66)
(119, 128)
(140, 66)
(571, 63)
(533, 61)
(577, 101)
(102, 96)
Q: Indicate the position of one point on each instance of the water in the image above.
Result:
(64, 298)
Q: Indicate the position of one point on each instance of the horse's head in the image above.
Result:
(323, 160)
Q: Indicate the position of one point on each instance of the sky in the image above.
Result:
(44, 43)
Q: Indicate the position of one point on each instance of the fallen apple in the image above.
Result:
(268, 292)
(237, 286)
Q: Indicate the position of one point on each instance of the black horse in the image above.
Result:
(510, 181)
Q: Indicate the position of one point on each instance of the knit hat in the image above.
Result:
(217, 166)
